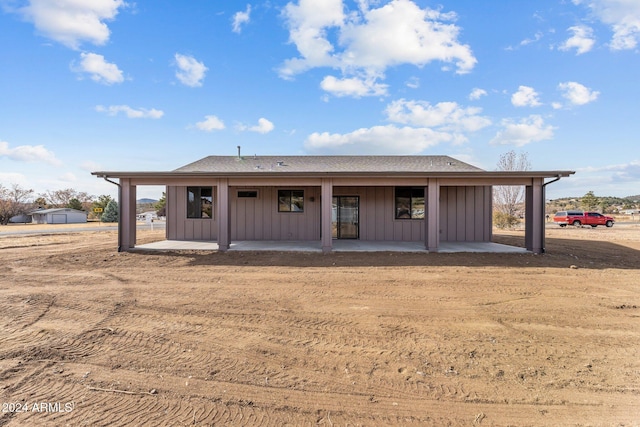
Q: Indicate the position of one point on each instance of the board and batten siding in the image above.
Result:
(179, 227)
(465, 214)
(258, 218)
(377, 215)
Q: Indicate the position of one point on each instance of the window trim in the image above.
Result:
(291, 202)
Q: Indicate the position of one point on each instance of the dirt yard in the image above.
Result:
(92, 337)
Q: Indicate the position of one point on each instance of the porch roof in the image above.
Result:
(331, 166)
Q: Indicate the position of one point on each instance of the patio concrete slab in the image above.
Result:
(338, 246)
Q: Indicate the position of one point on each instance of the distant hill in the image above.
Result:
(636, 197)
(146, 201)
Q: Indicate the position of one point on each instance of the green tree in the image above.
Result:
(589, 201)
(161, 205)
(75, 204)
(111, 213)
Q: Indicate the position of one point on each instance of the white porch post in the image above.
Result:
(326, 200)
(127, 216)
(224, 230)
(432, 229)
(534, 216)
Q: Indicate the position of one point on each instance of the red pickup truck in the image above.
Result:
(579, 218)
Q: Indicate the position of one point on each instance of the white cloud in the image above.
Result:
(535, 38)
(190, 71)
(354, 87)
(68, 177)
(528, 130)
(525, 97)
(241, 18)
(413, 83)
(140, 113)
(447, 116)
(623, 16)
(12, 178)
(365, 42)
(377, 140)
(578, 94)
(100, 70)
(263, 126)
(71, 22)
(477, 93)
(28, 153)
(210, 123)
(89, 165)
(582, 39)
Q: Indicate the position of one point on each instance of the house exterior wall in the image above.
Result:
(377, 215)
(179, 227)
(259, 219)
(465, 215)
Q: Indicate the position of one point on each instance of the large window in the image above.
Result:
(290, 201)
(199, 202)
(409, 202)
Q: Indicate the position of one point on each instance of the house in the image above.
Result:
(428, 199)
(58, 216)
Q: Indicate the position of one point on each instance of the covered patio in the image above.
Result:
(338, 246)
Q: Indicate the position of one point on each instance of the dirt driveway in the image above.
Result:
(94, 337)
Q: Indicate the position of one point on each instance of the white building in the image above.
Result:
(58, 216)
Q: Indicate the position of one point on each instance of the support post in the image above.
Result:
(534, 216)
(127, 216)
(224, 229)
(432, 229)
(326, 201)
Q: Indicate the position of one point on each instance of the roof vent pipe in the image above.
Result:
(239, 153)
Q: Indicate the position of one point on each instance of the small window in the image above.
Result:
(410, 203)
(247, 194)
(290, 201)
(200, 202)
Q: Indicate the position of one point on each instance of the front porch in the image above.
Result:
(338, 246)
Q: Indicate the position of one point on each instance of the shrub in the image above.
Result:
(504, 220)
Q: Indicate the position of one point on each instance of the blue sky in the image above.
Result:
(153, 85)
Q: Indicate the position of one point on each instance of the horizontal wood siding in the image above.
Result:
(179, 227)
(465, 214)
(259, 219)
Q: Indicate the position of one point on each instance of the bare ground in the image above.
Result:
(99, 338)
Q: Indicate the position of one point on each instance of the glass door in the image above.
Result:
(345, 217)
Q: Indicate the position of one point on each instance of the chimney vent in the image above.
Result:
(239, 153)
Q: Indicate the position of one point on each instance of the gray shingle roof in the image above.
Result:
(297, 164)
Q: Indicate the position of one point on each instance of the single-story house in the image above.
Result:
(427, 199)
(58, 216)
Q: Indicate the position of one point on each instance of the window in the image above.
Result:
(290, 201)
(247, 194)
(409, 203)
(199, 202)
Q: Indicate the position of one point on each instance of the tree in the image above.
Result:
(13, 201)
(110, 213)
(62, 198)
(75, 204)
(589, 201)
(507, 199)
(161, 205)
(40, 202)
